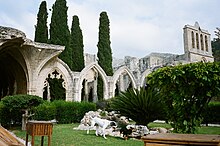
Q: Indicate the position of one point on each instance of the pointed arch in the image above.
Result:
(82, 75)
(143, 77)
(62, 68)
(120, 71)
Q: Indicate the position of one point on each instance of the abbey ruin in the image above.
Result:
(25, 66)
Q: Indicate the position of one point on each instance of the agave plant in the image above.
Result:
(142, 106)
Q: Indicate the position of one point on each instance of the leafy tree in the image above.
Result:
(143, 106)
(41, 30)
(104, 48)
(59, 31)
(216, 45)
(76, 44)
(104, 51)
(186, 90)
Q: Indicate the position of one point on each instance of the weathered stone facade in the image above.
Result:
(197, 44)
(25, 66)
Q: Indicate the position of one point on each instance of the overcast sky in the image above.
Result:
(137, 27)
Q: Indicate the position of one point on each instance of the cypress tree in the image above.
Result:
(104, 48)
(76, 44)
(104, 51)
(59, 31)
(41, 30)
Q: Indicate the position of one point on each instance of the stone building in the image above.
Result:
(26, 66)
(197, 44)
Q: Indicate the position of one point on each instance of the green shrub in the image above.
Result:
(211, 114)
(4, 118)
(83, 107)
(16, 104)
(104, 105)
(143, 106)
(63, 111)
(44, 112)
(187, 90)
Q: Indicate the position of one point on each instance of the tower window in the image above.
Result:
(197, 41)
(202, 44)
(193, 40)
(206, 44)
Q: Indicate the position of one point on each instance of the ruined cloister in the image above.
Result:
(26, 66)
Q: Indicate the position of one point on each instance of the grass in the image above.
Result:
(64, 135)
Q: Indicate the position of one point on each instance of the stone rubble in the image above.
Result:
(137, 130)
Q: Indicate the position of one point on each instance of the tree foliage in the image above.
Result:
(76, 44)
(216, 45)
(59, 31)
(143, 106)
(41, 29)
(186, 90)
(13, 107)
(104, 48)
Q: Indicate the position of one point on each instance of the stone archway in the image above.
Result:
(119, 76)
(13, 78)
(63, 73)
(143, 77)
(91, 70)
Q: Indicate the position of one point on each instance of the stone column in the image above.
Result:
(121, 83)
(86, 91)
(95, 97)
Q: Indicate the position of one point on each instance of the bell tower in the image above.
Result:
(197, 44)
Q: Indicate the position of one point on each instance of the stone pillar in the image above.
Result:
(48, 90)
(86, 91)
(95, 97)
(121, 83)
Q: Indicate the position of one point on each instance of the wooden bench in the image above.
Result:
(181, 139)
(39, 128)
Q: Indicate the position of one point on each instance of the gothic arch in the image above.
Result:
(13, 68)
(206, 44)
(62, 68)
(82, 76)
(193, 39)
(201, 42)
(143, 77)
(197, 41)
(119, 72)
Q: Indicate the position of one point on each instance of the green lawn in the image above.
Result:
(64, 135)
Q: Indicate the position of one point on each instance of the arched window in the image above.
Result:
(193, 40)
(202, 44)
(206, 44)
(197, 41)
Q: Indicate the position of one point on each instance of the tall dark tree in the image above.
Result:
(216, 45)
(41, 29)
(59, 31)
(104, 51)
(76, 44)
(104, 48)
